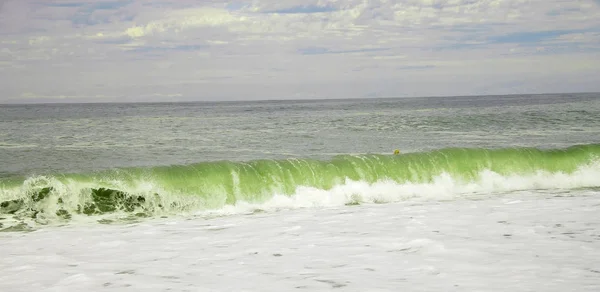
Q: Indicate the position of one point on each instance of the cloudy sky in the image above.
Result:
(167, 50)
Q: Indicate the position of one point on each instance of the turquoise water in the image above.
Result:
(144, 160)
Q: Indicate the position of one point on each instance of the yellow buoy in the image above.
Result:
(396, 152)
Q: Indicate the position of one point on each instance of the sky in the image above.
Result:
(183, 50)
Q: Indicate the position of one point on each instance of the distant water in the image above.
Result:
(124, 161)
(496, 193)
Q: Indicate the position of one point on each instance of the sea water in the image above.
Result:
(494, 193)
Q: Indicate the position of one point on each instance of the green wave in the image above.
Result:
(213, 185)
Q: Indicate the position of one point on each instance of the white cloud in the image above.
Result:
(38, 40)
(585, 37)
(181, 20)
(286, 48)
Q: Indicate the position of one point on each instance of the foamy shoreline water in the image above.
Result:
(519, 242)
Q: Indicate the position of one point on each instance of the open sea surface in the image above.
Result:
(488, 193)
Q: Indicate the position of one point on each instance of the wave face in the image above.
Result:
(345, 179)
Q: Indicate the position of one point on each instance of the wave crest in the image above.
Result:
(225, 186)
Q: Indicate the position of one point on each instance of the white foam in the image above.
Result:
(543, 243)
(443, 187)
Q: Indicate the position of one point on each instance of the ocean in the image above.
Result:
(488, 193)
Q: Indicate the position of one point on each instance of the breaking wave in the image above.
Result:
(225, 187)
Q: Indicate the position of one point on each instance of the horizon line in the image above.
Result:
(292, 100)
